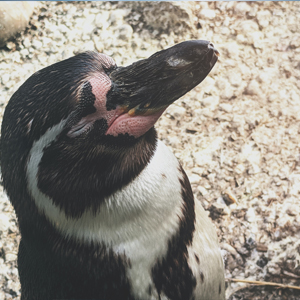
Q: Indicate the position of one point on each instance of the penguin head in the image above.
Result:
(85, 115)
(91, 96)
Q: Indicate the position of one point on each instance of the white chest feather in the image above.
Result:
(208, 266)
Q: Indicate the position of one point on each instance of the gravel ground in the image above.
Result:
(237, 134)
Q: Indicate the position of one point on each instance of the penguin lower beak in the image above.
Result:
(151, 85)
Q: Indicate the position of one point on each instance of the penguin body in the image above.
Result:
(105, 210)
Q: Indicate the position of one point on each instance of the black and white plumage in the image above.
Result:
(105, 210)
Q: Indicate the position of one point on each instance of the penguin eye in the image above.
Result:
(79, 129)
(78, 123)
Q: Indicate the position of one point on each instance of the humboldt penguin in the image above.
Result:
(104, 208)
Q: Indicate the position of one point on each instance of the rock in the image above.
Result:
(253, 88)
(218, 209)
(240, 168)
(250, 215)
(11, 257)
(124, 32)
(176, 111)
(232, 50)
(116, 17)
(274, 269)
(173, 16)
(207, 14)
(4, 222)
(263, 18)
(202, 158)
(295, 42)
(14, 17)
(235, 78)
(202, 190)
(226, 91)
(194, 178)
(242, 8)
(226, 107)
(229, 197)
(2, 295)
(248, 26)
(211, 102)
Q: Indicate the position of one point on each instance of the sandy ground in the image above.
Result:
(237, 134)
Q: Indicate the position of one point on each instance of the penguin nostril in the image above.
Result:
(211, 45)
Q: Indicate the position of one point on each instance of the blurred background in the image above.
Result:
(237, 134)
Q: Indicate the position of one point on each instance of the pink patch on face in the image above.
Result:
(118, 121)
(100, 87)
(133, 125)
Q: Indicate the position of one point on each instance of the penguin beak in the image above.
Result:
(151, 85)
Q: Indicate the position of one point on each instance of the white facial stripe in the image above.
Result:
(137, 221)
(35, 156)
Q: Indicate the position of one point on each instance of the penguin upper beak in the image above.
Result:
(150, 85)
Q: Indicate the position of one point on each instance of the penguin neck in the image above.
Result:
(77, 179)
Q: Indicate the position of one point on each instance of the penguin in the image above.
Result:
(104, 208)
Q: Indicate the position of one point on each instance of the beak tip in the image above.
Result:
(212, 47)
